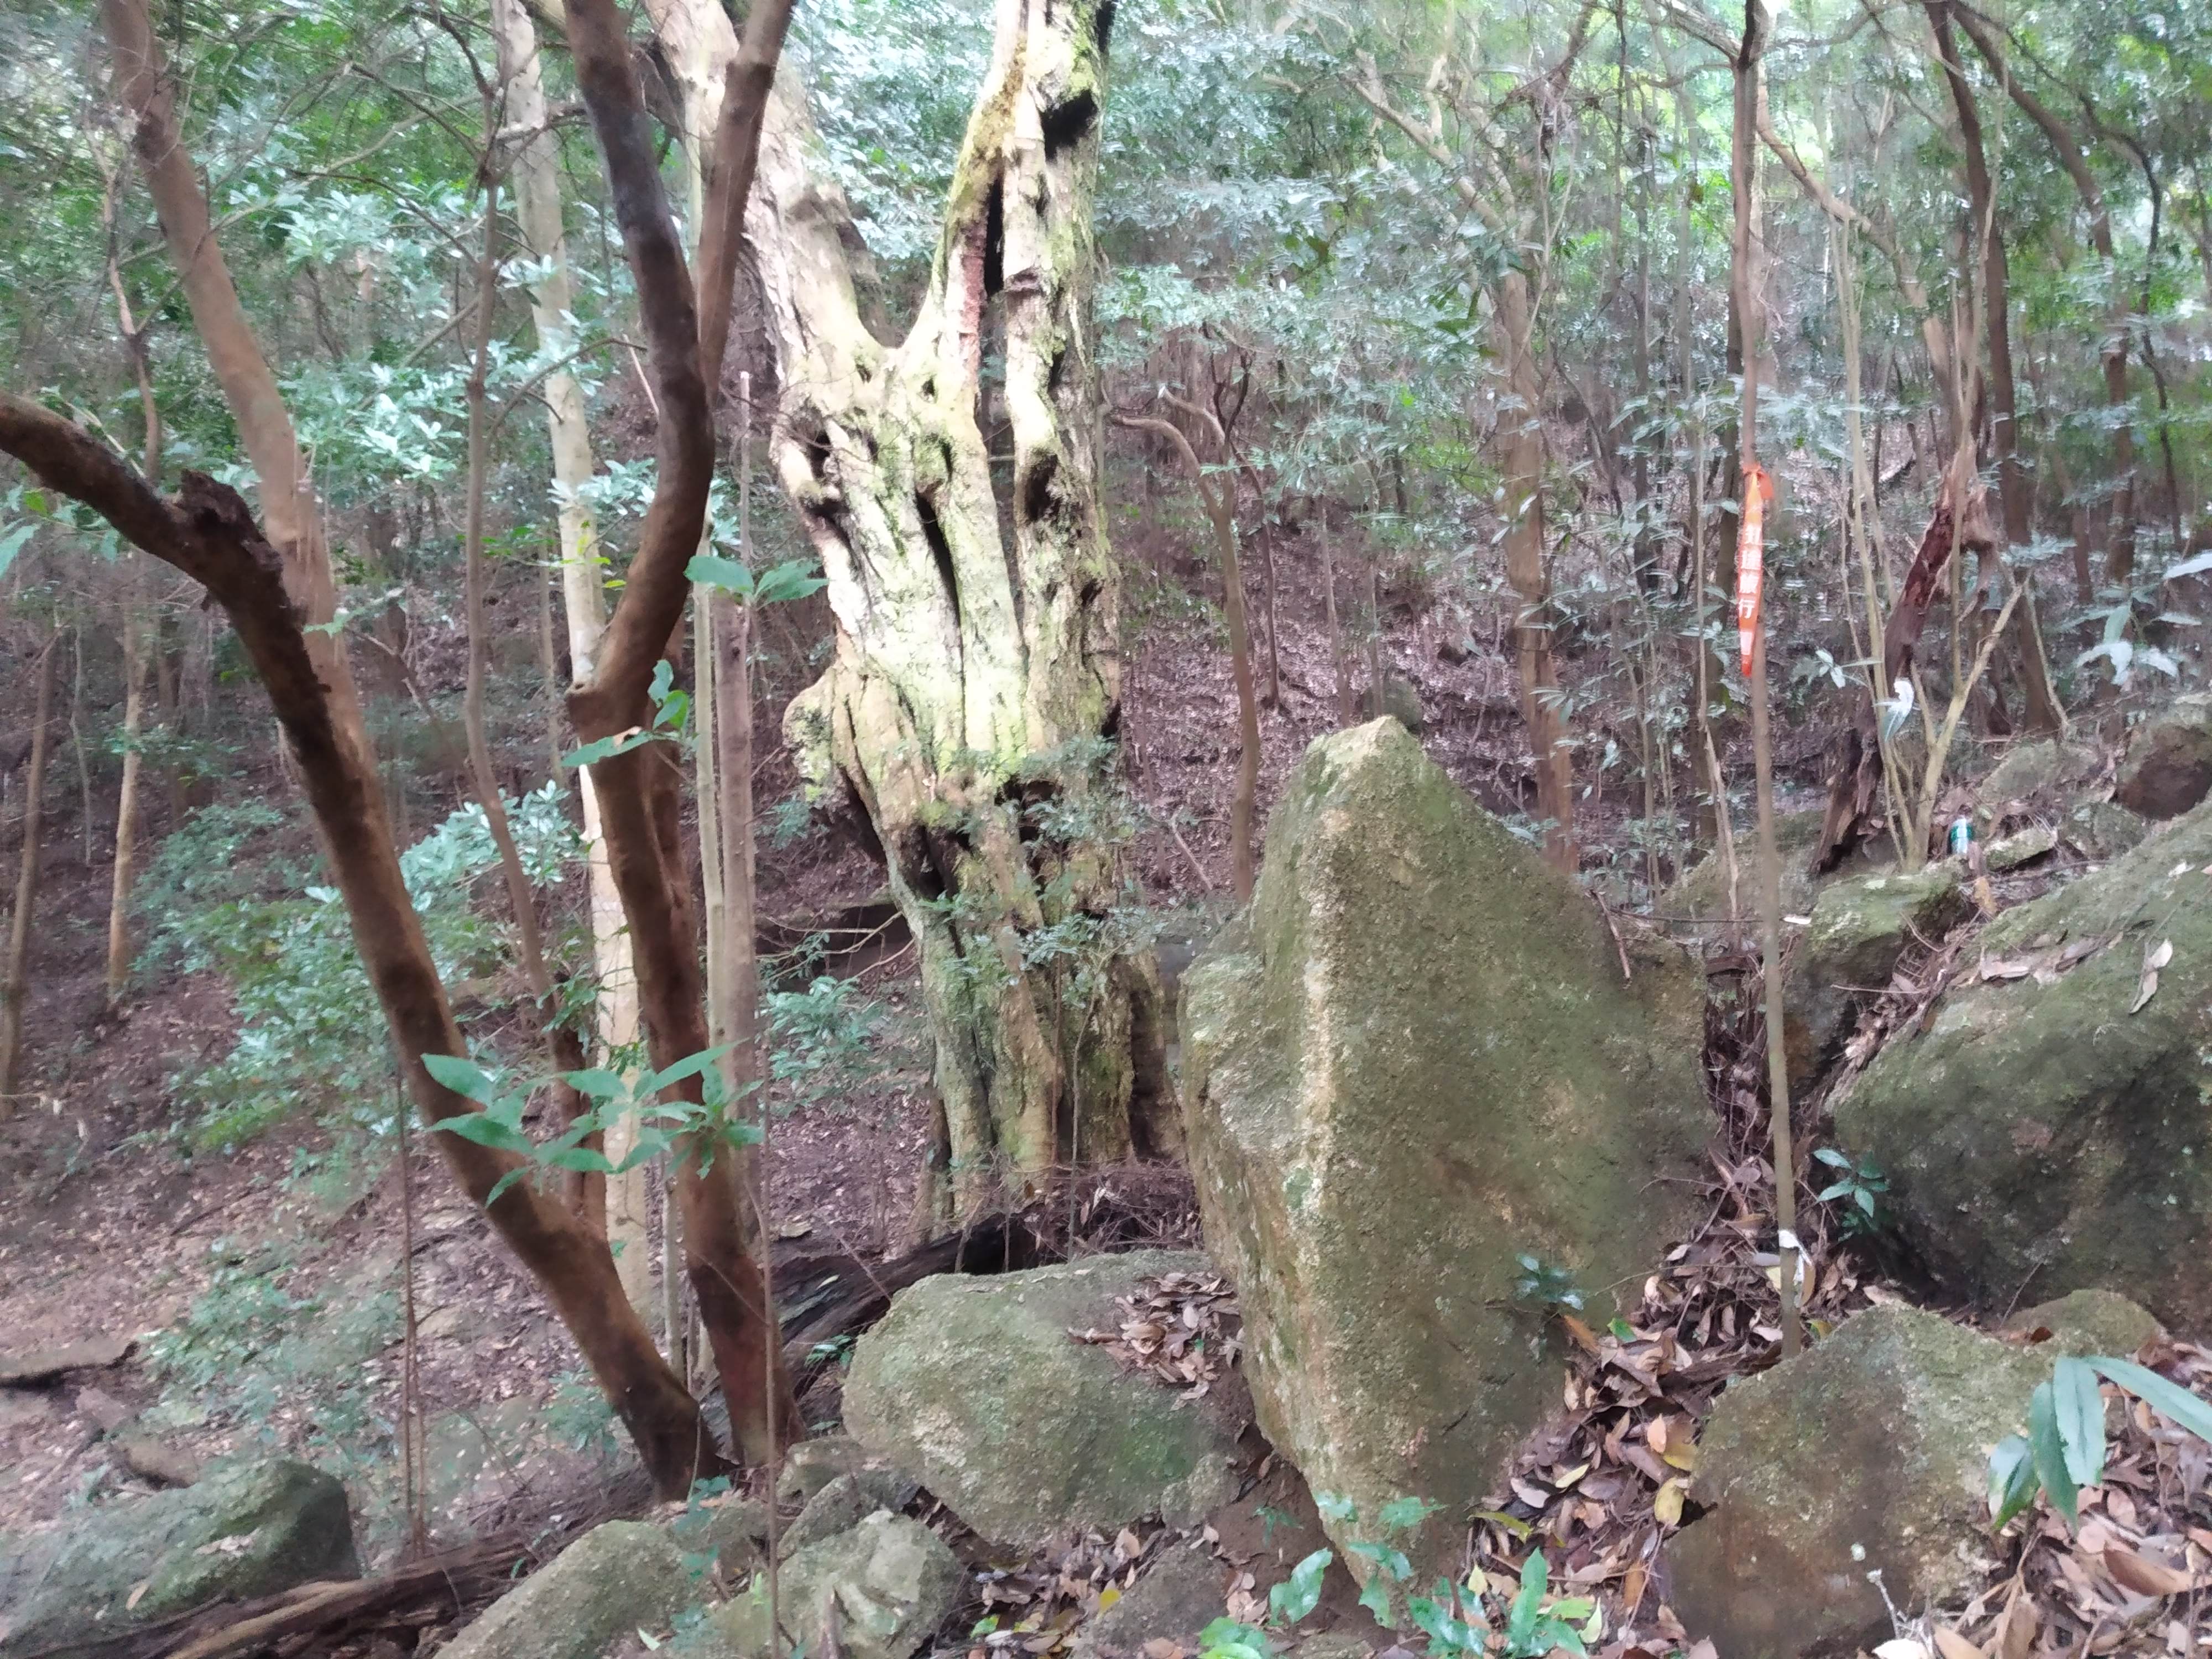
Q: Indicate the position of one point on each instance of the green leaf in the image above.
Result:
(2080, 1410)
(1388, 1560)
(12, 543)
(2049, 1453)
(1300, 1593)
(461, 1076)
(597, 1082)
(501, 1184)
(689, 1066)
(1448, 1633)
(1831, 1158)
(1374, 1597)
(711, 570)
(1224, 1638)
(1402, 1512)
(486, 1130)
(2167, 1398)
(2012, 1479)
(599, 749)
(583, 1158)
(1333, 1506)
(1522, 1616)
(792, 580)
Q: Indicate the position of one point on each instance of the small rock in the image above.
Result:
(810, 1465)
(843, 1504)
(103, 1410)
(877, 1592)
(615, 1579)
(975, 1384)
(1869, 1453)
(40, 1365)
(2168, 768)
(733, 1532)
(2089, 1321)
(1180, 1594)
(2012, 851)
(1702, 893)
(2103, 829)
(1397, 699)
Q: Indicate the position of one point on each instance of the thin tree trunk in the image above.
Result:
(15, 976)
(126, 802)
(639, 791)
(614, 1207)
(1750, 96)
(1521, 448)
(1345, 710)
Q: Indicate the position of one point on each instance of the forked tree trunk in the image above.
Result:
(15, 972)
(275, 596)
(971, 699)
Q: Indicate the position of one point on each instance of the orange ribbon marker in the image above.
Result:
(1751, 559)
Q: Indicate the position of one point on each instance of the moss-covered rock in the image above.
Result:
(2042, 1125)
(974, 1385)
(1860, 927)
(247, 1530)
(2084, 1323)
(2102, 829)
(2032, 769)
(2168, 768)
(1411, 1059)
(1179, 1595)
(616, 1578)
(1702, 894)
(1868, 1453)
(877, 1591)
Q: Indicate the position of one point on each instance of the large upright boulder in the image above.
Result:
(2168, 767)
(1869, 1454)
(974, 1385)
(247, 1530)
(2049, 1125)
(1415, 1056)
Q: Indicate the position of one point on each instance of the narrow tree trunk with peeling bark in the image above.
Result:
(968, 690)
(14, 973)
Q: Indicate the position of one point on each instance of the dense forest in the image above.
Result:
(1184, 830)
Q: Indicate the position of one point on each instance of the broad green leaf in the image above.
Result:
(1521, 1618)
(597, 1082)
(2012, 1479)
(1333, 1506)
(1374, 1597)
(12, 543)
(486, 1130)
(2169, 1399)
(1389, 1560)
(1448, 1632)
(2049, 1453)
(599, 749)
(792, 580)
(1402, 1512)
(501, 1185)
(711, 570)
(2079, 1409)
(1300, 1593)
(689, 1066)
(579, 1157)
(461, 1076)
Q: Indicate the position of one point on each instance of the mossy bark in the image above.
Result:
(975, 687)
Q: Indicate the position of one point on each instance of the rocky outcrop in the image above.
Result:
(1860, 927)
(974, 1386)
(1415, 1057)
(877, 1591)
(616, 1578)
(1869, 1454)
(2168, 768)
(2036, 770)
(2049, 1124)
(248, 1530)
(1702, 894)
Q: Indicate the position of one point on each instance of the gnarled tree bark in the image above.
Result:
(968, 690)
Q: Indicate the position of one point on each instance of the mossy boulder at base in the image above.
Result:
(1702, 893)
(2168, 768)
(1178, 1595)
(2086, 1322)
(2049, 1127)
(974, 1386)
(618, 1578)
(1869, 1453)
(1411, 1059)
(247, 1530)
(2102, 829)
(1860, 928)
(879, 1591)
(2034, 769)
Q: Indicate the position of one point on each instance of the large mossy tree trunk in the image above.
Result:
(975, 690)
